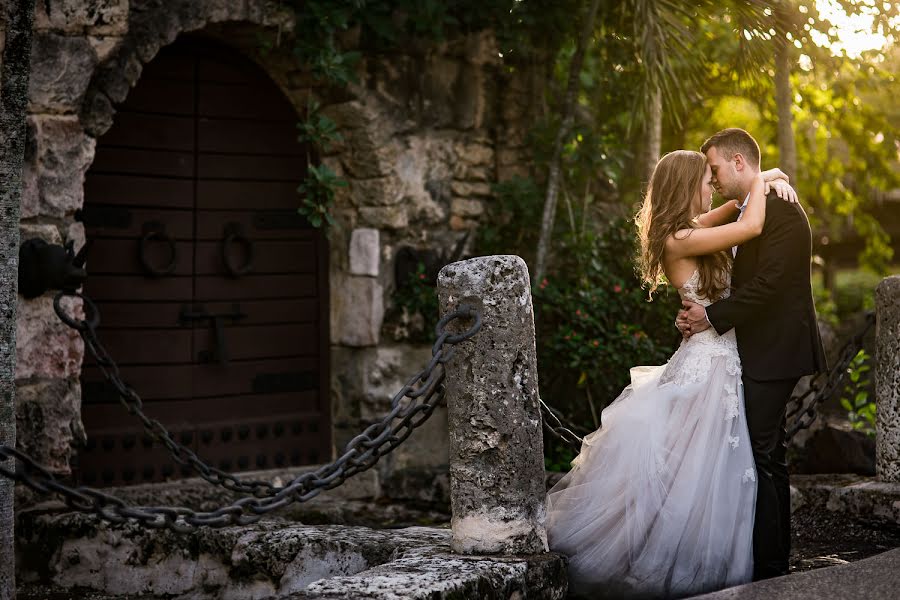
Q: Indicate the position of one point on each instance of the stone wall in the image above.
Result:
(424, 136)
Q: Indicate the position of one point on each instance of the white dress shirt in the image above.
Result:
(734, 249)
(742, 208)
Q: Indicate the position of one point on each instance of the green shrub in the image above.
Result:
(854, 291)
(595, 322)
(855, 398)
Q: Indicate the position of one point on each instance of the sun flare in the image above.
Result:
(854, 31)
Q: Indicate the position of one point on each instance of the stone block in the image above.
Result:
(48, 233)
(109, 17)
(365, 252)
(47, 348)
(105, 46)
(61, 68)
(887, 379)
(350, 115)
(465, 172)
(58, 156)
(468, 189)
(384, 217)
(380, 191)
(474, 154)
(423, 209)
(357, 310)
(457, 223)
(48, 421)
(464, 207)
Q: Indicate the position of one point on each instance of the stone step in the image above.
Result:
(872, 578)
(858, 497)
(270, 559)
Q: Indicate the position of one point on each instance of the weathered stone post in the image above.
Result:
(497, 488)
(887, 379)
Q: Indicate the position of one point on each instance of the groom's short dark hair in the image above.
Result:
(732, 141)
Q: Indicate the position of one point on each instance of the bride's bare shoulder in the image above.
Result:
(679, 270)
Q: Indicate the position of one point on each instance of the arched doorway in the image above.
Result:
(212, 289)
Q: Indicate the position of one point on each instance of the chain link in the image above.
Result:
(410, 407)
(822, 387)
(360, 454)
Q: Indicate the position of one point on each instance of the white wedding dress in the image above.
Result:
(660, 501)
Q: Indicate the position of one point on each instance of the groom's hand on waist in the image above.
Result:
(692, 319)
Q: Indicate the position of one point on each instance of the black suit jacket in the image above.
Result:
(771, 304)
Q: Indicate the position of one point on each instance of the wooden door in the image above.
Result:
(212, 289)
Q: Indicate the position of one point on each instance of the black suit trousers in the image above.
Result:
(765, 403)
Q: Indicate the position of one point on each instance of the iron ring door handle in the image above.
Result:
(234, 234)
(156, 231)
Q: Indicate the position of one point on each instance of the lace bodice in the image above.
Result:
(691, 289)
(692, 361)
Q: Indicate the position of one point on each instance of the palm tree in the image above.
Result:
(562, 134)
(17, 23)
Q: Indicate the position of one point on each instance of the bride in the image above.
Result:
(660, 501)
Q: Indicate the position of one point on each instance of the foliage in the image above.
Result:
(318, 190)
(826, 309)
(557, 457)
(417, 299)
(855, 398)
(854, 292)
(595, 321)
(321, 182)
(846, 133)
(511, 218)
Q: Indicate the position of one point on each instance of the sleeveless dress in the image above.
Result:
(660, 501)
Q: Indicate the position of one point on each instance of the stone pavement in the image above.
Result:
(273, 558)
(869, 579)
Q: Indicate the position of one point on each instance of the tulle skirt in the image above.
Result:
(660, 501)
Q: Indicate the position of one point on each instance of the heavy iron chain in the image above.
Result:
(824, 385)
(410, 407)
(800, 408)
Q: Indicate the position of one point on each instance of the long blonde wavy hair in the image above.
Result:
(675, 182)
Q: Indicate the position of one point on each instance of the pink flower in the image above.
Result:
(617, 288)
(543, 283)
(578, 312)
(595, 343)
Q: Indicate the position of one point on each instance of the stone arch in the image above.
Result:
(153, 24)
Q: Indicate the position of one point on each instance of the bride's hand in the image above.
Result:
(775, 174)
(783, 189)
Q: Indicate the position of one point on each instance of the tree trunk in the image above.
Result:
(17, 19)
(568, 114)
(787, 150)
(652, 142)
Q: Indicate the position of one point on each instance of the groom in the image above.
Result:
(771, 309)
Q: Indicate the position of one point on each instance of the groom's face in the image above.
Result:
(724, 174)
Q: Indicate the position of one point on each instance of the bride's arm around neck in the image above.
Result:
(707, 240)
(719, 216)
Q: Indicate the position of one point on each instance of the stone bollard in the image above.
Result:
(887, 380)
(497, 489)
